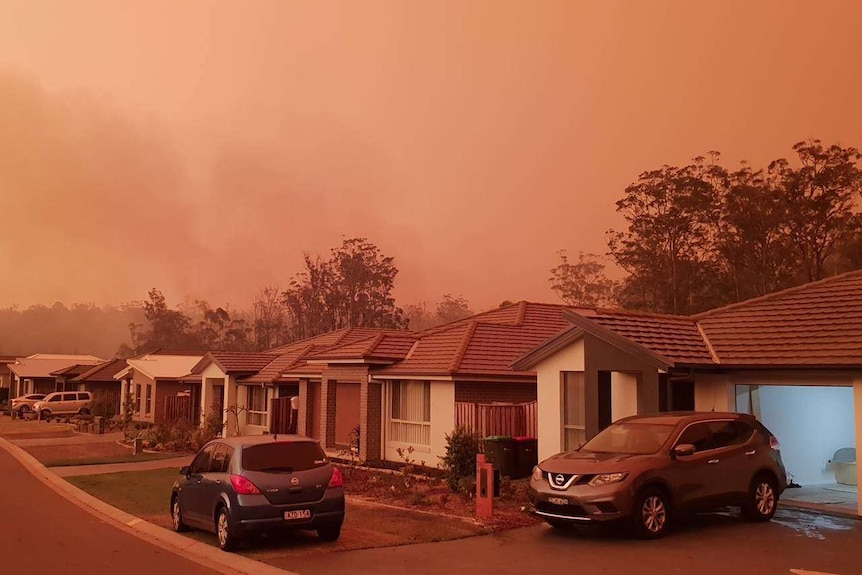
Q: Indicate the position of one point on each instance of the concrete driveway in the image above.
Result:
(715, 544)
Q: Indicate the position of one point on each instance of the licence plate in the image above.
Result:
(558, 500)
(301, 514)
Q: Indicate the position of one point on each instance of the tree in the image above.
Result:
(583, 283)
(353, 288)
(270, 319)
(667, 247)
(452, 308)
(819, 199)
(755, 256)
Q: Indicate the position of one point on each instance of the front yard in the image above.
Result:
(367, 524)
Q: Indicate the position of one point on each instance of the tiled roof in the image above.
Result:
(818, 323)
(273, 370)
(384, 346)
(675, 337)
(102, 372)
(235, 362)
(43, 365)
(72, 370)
(338, 337)
(484, 344)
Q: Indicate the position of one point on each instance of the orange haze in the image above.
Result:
(201, 147)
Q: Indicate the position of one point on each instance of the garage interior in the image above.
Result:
(815, 427)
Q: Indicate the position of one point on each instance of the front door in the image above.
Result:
(346, 411)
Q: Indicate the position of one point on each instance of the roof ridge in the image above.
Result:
(522, 313)
(634, 312)
(375, 341)
(769, 296)
(462, 347)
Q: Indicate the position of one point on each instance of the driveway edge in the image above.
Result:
(201, 553)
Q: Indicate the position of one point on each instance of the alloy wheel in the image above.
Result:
(175, 514)
(222, 529)
(654, 514)
(764, 498)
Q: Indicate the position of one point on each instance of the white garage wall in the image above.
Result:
(811, 423)
(624, 395)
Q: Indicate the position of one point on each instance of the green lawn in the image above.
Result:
(142, 493)
(125, 458)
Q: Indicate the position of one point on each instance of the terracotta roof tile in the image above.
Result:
(273, 370)
(484, 344)
(103, 371)
(236, 362)
(675, 337)
(818, 323)
(385, 346)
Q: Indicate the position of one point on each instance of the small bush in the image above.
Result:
(462, 446)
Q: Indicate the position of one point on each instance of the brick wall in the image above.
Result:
(305, 407)
(473, 392)
(370, 421)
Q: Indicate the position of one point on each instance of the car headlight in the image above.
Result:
(607, 479)
(537, 473)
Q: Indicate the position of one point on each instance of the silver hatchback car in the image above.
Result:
(647, 468)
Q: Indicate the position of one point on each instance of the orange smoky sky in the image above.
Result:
(202, 147)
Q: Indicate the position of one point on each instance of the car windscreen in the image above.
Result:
(630, 438)
(283, 456)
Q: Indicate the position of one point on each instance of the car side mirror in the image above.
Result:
(185, 470)
(683, 450)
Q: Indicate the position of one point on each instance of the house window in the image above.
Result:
(148, 406)
(574, 421)
(138, 398)
(256, 406)
(410, 412)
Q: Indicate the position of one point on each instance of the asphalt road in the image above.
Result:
(41, 532)
(714, 544)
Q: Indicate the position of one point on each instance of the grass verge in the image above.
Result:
(126, 458)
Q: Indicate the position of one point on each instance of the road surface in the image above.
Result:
(42, 532)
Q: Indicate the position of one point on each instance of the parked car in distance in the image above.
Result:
(64, 403)
(239, 486)
(24, 404)
(647, 469)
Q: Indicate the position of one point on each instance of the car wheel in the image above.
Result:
(329, 533)
(177, 515)
(762, 500)
(23, 410)
(652, 514)
(227, 540)
(83, 411)
(45, 414)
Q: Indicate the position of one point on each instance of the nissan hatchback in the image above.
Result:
(239, 486)
(646, 469)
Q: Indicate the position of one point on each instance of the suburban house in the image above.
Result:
(398, 388)
(6, 373)
(159, 393)
(35, 373)
(792, 358)
(99, 380)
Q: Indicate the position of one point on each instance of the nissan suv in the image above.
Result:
(646, 469)
(64, 403)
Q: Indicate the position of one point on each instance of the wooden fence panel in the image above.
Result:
(178, 407)
(282, 417)
(487, 419)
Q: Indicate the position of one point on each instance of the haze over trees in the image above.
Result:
(701, 235)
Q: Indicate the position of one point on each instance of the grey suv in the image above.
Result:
(242, 485)
(648, 468)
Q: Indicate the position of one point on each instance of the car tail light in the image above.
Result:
(773, 443)
(243, 486)
(336, 480)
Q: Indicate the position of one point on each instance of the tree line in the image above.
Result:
(701, 235)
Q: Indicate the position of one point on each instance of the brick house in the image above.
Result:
(100, 381)
(35, 373)
(152, 379)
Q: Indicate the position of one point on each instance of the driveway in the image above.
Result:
(715, 544)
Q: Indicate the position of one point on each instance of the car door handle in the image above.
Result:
(712, 461)
(752, 452)
(218, 481)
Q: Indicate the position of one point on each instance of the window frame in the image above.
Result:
(262, 416)
(396, 423)
(148, 399)
(565, 425)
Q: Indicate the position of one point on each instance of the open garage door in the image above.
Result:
(811, 422)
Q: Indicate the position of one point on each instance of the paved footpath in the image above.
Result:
(75, 470)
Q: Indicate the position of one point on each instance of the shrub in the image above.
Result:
(104, 405)
(462, 446)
